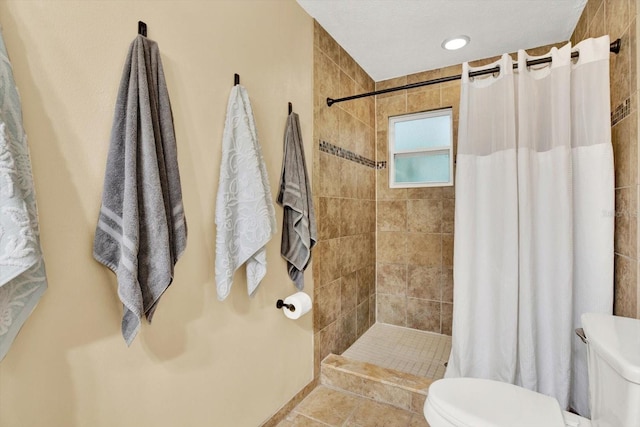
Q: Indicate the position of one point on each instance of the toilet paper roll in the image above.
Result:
(302, 303)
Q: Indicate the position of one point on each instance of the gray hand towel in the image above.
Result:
(299, 222)
(141, 230)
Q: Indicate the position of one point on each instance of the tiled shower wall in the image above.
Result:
(415, 226)
(344, 196)
(618, 18)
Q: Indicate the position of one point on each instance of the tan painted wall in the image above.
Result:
(202, 362)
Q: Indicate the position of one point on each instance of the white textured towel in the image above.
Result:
(245, 217)
(22, 273)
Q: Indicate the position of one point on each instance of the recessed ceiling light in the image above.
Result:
(456, 42)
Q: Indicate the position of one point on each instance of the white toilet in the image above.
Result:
(613, 345)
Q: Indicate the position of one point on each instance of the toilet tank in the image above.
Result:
(614, 369)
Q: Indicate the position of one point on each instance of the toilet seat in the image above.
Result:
(474, 402)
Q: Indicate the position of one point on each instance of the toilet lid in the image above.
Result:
(485, 403)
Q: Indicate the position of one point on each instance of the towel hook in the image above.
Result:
(142, 28)
(236, 79)
(290, 108)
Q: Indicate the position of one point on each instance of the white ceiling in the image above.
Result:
(391, 38)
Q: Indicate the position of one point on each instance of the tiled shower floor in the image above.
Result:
(406, 350)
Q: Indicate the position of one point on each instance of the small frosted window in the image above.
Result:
(420, 149)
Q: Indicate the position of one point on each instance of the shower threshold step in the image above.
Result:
(400, 389)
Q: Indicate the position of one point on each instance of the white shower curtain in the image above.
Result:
(534, 231)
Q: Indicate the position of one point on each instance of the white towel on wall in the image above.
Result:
(22, 272)
(245, 216)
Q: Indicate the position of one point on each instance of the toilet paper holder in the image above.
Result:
(280, 303)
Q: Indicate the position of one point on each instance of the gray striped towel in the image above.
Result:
(142, 229)
(299, 233)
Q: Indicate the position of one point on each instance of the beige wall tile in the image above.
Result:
(447, 284)
(620, 140)
(625, 290)
(450, 95)
(326, 78)
(386, 193)
(447, 318)
(617, 17)
(597, 27)
(350, 220)
(366, 177)
(447, 250)
(326, 304)
(326, 124)
(348, 330)
(348, 179)
(361, 140)
(372, 309)
(619, 73)
(387, 393)
(591, 8)
(328, 218)
(349, 250)
(626, 222)
(347, 64)
(448, 215)
(326, 256)
(428, 99)
(382, 146)
(327, 44)
(426, 249)
(391, 83)
(424, 216)
(449, 192)
(392, 309)
(362, 317)
(392, 247)
(423, 77)
(361, 107)
(339, 379)
(368, 208)
(392, 279)
(387, 107)
(347, 130)
(330, 175)
(424, 282)
(425, 193)
(348, 292)
(325, 342)
(423, 315)
(633, 52)
(392, 215)
(370, 248)
(633, 147)
(366, 282)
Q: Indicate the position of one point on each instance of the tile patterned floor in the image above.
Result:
(421, 354)
(328, 407)
(403, 349)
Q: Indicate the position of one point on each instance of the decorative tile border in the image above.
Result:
(621, 111)
(346, 154)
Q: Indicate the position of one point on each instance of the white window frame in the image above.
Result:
(432, 150)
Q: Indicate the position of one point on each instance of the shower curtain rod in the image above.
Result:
(614, 47)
